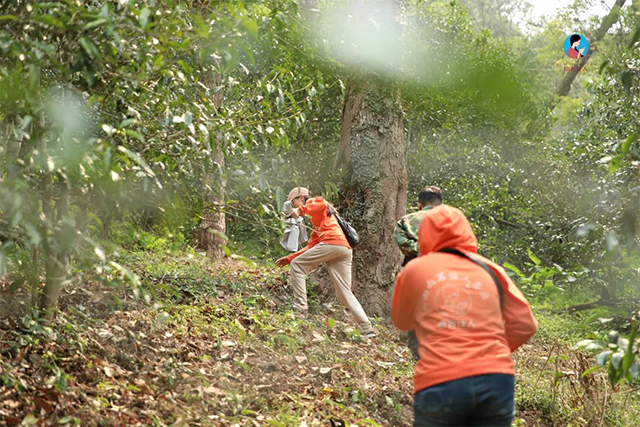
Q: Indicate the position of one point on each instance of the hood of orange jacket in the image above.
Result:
(445, 227)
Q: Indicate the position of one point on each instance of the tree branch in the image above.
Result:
(565, 85)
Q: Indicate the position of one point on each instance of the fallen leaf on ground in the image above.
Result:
(30, 420)
(214, 390)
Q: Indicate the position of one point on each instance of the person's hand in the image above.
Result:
(294, 213)
(282, 262)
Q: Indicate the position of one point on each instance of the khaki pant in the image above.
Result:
(338, 262)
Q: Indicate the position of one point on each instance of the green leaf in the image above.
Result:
(226, 250)
(49, 20)
(8, 18)
(627, 80)
(126, 122)
(33, 233)
(144, 17)
(244, 259)
(603, 66)
(202, 29)
(513, 268)
(29, 420)
(251, 27)
(624, 149)
(616, 360)
(95, 218)
(66, 420)
(635, 38)
(138, 159)
(280, 197)
(590, 371)
(104, 10)
(552, 289)
(613, 374)
(633, 370)
(603, 358)
(220, 235)
(134, 134)
(46, 5)
(60, 382)
(246, 49)
(629, 356)
(95, 23)
(533, 257)
(89, 47)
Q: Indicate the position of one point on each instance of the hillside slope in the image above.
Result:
(218, 345)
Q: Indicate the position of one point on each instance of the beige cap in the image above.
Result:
(297, 192)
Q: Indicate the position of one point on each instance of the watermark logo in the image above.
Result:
(576, 46)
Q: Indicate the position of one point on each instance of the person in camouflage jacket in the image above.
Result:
(406, 235)
(406, 231)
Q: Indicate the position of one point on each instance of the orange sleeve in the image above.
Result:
(313, 207)
(519, 322)
(402, 305)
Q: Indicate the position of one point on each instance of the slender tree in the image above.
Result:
(213, 227)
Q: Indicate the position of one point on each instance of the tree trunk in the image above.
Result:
(55, 249)
(375, 188)
(34, 276)
(213, 226)
(565, 85)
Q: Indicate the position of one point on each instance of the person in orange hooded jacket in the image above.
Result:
(466, 328)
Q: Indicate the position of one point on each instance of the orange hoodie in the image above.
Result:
(325, 228)
(454, 305)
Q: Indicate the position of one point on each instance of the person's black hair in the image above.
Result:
(430, 196)
(574, 38)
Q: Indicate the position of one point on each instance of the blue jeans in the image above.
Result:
(483, 400)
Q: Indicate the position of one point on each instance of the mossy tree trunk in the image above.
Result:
(372, 154)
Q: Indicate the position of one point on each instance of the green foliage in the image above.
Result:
(114, 106)
(619, 358)
(540, 283)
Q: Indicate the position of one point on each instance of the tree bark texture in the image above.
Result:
(375, 186)
(213, 224)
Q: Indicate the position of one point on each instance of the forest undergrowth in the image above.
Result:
(217, 344)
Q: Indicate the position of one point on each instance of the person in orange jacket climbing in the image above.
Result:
(327, 245)
(469, 317)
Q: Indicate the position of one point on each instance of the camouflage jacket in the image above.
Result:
(406, 232)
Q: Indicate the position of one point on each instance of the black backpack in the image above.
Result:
(349, 232)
